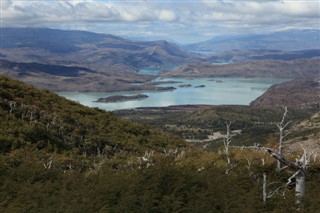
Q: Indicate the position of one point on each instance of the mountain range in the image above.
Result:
(68, 60)
(290, 40)
(255, 68)
(235, 56)
(62, 60)
(101, 52)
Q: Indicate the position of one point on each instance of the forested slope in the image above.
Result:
(58, 156)
(42, 120)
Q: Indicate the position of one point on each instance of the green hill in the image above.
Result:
(59, 156)
(39, 119)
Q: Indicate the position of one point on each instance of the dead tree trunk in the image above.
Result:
(281, 126)
(264, 188)
(300, 188)
(300, 168)
(226, 142)
(12, 105)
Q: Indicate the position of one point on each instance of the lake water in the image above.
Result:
(155, 71)
(217, 91)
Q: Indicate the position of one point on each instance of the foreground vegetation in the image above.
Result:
(58, 156)
(193, 184)
(42, 120)
(197, 123)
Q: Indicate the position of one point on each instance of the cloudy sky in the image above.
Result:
(184, 21)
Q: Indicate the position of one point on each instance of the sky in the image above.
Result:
(183, 21)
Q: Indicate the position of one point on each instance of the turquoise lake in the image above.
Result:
(217, 91)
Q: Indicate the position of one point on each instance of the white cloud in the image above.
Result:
(5, 4)
(253, 11)
(169, 17)
(87, 11)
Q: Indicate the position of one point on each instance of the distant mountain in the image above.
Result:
(74, 78)
(261, 54)
(61, 60)
(259, 68)
(56, 41)
(100, 52)
(152, 38)
(291, 40)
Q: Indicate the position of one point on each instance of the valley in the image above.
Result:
(52, 145)
(204, 126)
(61, 60)
(99, 123)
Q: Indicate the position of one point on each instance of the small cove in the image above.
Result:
(215, 91)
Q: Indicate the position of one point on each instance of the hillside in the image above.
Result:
(299, 92)
(59, 156)
(258, 68)
(307, 133)
(290, 40)
(204, 125)
(37, 119)
(72, 78)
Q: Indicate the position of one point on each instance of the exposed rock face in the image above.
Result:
(121, 98)
(298, 92)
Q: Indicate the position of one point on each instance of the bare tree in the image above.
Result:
(227, 141)
(12, 105)
(300, 168)
(281, 126)
(47, 165)
(251, 173)
(270, 193)
(264, 188)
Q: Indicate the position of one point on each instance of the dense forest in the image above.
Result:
(59, 156)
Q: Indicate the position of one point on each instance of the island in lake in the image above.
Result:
(185, 85)
(200, 86)
(121, 98)
(163, 89)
